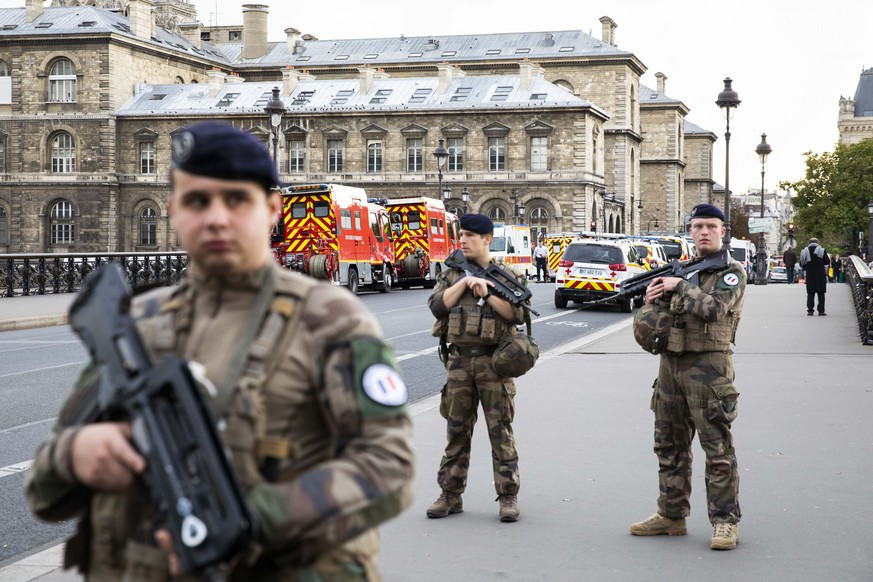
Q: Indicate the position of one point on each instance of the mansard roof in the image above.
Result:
(693, 129)
(338, 95)
(864, 95)
(649, 95)
(88, 20)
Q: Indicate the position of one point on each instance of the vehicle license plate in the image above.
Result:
(596, 272)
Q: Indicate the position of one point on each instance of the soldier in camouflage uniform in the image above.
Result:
(320, 441)
(692, 324)
(473, 333)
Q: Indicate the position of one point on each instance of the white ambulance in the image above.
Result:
(513, 244)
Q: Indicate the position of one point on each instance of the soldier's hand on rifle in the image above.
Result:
(661, 287)
(103, 457)
(165, 542)
(477, 286)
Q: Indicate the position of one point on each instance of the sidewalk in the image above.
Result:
(34, 311)
(804, 444)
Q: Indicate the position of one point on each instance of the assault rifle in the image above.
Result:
(188, 474)
(636, 285)
(506, 286)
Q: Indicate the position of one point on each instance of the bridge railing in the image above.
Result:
(860, 278)
(41, 274)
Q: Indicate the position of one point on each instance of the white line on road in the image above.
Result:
(79, 363)
(15, 469)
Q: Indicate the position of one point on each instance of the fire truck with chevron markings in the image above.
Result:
(424, 235)
(336, 233)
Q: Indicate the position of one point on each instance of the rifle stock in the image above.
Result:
(188, 475)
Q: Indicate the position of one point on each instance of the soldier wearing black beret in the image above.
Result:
(473, 332)
(695, 323)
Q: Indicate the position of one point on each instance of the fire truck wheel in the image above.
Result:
(318, 267)
(385, 285)
(353, 281)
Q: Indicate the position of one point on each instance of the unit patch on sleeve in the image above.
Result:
(384, 385)
(731, 279)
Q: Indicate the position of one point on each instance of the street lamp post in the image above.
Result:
(870, 231)
(517, 206)
(441, 154)
(727, 100)
(465, 197)
(763, 150)
(447, 193)
(275, 108)
(649, 224)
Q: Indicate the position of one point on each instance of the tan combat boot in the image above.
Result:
(508, 507)
(446, 504)
(657, 525)
(724, 536)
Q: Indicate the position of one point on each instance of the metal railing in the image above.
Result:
(41, 274)
(860, 278)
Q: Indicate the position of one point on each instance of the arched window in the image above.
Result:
(4, 69)
(148, 226)
(497, 214)
(4, 227)
(62, 81)
(63, 153)
(5, 84)
(179, 81)
(539, 220)
(61, 227)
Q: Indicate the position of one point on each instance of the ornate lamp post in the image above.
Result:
(465, 197)
(517, 207)
(649, 224)
(275, 108)
(727, 101)
(763, 150)
(447, 193)
(441, 154)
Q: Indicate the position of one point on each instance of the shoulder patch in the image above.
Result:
(731, 279)
(384, 385)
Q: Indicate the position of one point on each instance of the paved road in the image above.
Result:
(804, 443)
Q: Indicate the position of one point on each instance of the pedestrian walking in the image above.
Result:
(322, 449)
(541, 256)
(790, 260)
(837, 265)
(473, 328)
(815, 262)
(691, 324)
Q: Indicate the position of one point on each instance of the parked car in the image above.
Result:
(592, 269)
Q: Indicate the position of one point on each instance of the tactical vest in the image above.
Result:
(702, 336)
(468, 324)
(120, 527)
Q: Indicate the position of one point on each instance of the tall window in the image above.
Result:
(414, 155)
(148, 226)
(594, 155)
(539, 154)
(497, 214)
(334, 155)
(456, 154)
(5, 84)
(2, 156)
(539, 218)
(62, 81)
(496, 154)
(63, 154)
(374, 156)
(147, 157)
(4, 227)
(296, 156)
(61, 228)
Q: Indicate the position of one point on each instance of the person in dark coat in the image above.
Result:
(790, 259)
(815, 261)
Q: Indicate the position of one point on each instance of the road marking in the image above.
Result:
(79, 363)
(27, 425)
(15, 469)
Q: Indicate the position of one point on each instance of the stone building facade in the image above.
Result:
(855, 121)
(83, 170)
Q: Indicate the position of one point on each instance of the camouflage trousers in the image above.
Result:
(471, 381)
(696, 392)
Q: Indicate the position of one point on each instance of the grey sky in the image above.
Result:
(790, 61)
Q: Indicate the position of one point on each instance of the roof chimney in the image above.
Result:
(191, 32)
(293, 36)
(32, 9)
(529, 71)
(142, 19)
(289, 80)
(254, 30)
(366, 75)
(448, 72)
(609, 27)
(216, 81)
(662, 81)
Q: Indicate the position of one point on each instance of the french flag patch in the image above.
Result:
(384, 385)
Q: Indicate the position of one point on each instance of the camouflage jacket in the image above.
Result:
(350, 460)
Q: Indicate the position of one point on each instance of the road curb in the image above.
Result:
(32, 322)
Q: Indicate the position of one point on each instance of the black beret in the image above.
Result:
(707, 211)
(478, 223)
(219, 150)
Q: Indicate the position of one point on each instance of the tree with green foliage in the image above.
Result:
(832, 199)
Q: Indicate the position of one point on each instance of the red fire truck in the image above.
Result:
(424, 235)
(336, 233)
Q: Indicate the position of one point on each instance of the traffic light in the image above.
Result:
(790, 229)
